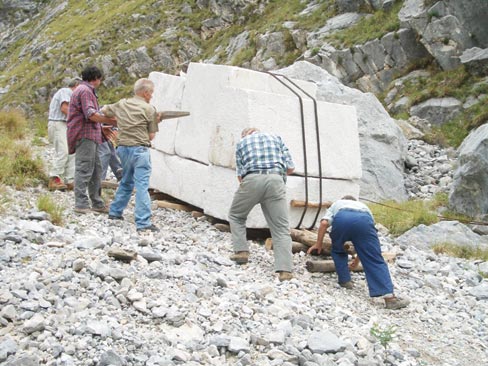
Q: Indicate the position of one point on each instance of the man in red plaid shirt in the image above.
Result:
(84, 136)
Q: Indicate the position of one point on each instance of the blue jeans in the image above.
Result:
(136, 165)
(108, 156)
(358, 227)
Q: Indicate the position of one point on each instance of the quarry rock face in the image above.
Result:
(194, 156)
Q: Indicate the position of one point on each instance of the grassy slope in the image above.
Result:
(112, 23)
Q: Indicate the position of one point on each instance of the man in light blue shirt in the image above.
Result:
(63, 166)
(262, 162)
(351, 220)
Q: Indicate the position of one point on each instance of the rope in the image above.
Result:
(440, 217)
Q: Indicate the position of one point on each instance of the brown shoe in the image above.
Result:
(81, 210)
(56, 184)
(240, 257)
(395, 303)
(285, 276)
(70, 186)
(103, 209)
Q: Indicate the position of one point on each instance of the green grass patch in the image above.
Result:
(459, 84)
(46, 203)
(368, 28)
(400, 217)
(17, 166)
(13, 124)
(460, 251)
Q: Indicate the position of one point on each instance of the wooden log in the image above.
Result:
(109, 184)
(174, 206)
(310, 239)
(298, 203)
(328, 266)
(296, 247)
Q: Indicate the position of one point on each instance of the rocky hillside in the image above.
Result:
(425, 60)
(373, 45)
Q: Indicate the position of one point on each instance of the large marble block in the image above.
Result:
(206, 85)
(280, 114)
(183, 179)
(167, 96)
(222, 184)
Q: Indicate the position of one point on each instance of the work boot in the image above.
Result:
(56, 184)
(348, 285)
(395, 303)
(240, 257)
(285, 276)
(103, 209)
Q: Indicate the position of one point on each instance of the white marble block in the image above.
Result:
(167, 96)
(183, 179)
(205, 97)
(222, 184)
(279, 114)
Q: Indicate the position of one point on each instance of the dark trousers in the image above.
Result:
(358, 227)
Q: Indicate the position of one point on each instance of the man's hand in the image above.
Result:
(108, 133)
(315, 249)
(354, 263)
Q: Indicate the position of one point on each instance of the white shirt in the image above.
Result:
(344, 204)
(63, 95)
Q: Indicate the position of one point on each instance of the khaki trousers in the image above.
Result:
(269, 191)
(63, 165)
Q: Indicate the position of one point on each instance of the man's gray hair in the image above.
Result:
(349, 197)
(142, 85)
(249, 131)
(74, 82)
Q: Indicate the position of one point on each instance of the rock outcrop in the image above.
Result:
(469, 191)
(383, 145)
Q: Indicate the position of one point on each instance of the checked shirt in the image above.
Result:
(82, 106)
(262, 151)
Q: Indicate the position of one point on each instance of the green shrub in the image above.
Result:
(383, 335)
(46, 203)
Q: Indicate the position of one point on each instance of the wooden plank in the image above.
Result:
(298, 203)
(173, 114)
(174, 206)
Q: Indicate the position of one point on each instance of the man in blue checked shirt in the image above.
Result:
(262, 162)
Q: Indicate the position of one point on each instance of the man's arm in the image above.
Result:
(99, 118)
(64, 108)
(324, 224)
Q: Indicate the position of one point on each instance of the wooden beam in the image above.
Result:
(173, 114)
(298, 203)
(174, 206)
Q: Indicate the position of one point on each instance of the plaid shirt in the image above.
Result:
(262, 151)
(83, 104)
